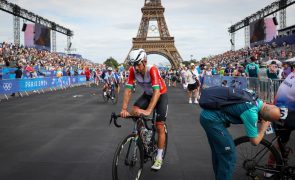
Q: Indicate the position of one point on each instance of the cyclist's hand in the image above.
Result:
(264, 124)
(143, 112)
(124, 113)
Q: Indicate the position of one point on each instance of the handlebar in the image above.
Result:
(115, 116)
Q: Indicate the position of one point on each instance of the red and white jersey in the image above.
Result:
(151, 80)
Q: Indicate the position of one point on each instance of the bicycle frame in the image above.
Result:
(138, 123)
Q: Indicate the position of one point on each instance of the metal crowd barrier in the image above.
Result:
(265, 88)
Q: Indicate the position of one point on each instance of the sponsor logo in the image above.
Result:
(227, 148)
(7, 86)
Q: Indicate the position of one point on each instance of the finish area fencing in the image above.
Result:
(265, 88)
(39, 84)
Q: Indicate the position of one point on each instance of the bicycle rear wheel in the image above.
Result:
(128, 159)
(252, 161)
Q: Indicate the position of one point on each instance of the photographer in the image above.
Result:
(18, 74)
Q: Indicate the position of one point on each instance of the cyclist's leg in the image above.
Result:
(117, 88)
(141, 103)
(105, 86)
(161, 110)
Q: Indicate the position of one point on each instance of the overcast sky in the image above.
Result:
(105, 28)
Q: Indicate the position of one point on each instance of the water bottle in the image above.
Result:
(143, 134)
(149, 135)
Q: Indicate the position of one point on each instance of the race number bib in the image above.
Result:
(284, 113)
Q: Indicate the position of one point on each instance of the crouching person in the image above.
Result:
(215, 121)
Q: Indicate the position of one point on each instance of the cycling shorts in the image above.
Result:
(161, 107)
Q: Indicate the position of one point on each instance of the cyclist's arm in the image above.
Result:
(250, 119)
(127, 95)
(263, 127)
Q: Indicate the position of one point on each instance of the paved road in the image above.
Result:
(62, 136)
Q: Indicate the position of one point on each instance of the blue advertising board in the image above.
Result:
(21, 85)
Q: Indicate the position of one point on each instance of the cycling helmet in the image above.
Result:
(110, 68)
(136, 56)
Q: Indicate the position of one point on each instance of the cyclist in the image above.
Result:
(118, 80)
(109, 79)
(154, 96)
(285, 99)
(222, 146)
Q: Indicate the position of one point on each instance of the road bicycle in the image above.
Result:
(253, 161)
(110, 94)
(137, 148)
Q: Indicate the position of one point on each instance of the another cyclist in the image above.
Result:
(109, 79)
(285, 99)
(154, 96)
(215, 123)
(118, 80)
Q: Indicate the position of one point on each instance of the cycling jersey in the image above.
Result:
(151, 80)
(110, 78)
(286, 93)
(285, 99)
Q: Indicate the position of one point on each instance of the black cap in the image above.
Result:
(253, 58)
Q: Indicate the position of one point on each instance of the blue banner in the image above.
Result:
(235, 82)
(1, 73)
(8, 73)
(228, 81)
(21, 85)
(210, 81)
(48, 73)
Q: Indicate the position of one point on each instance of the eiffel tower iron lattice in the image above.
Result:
(153, 35)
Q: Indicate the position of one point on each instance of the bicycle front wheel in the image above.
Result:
(114, 96)
(253, 161)
(105, 97)
(128, 159)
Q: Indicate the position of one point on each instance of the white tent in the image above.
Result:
(291, 60)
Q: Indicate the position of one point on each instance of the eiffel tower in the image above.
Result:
(153, 35)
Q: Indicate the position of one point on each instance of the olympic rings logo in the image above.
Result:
(7, 86)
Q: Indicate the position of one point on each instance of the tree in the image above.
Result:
(187, 63)
(111, 62)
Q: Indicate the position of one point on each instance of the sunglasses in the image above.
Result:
(134, 63)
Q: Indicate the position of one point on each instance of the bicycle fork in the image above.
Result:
(133, 159)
